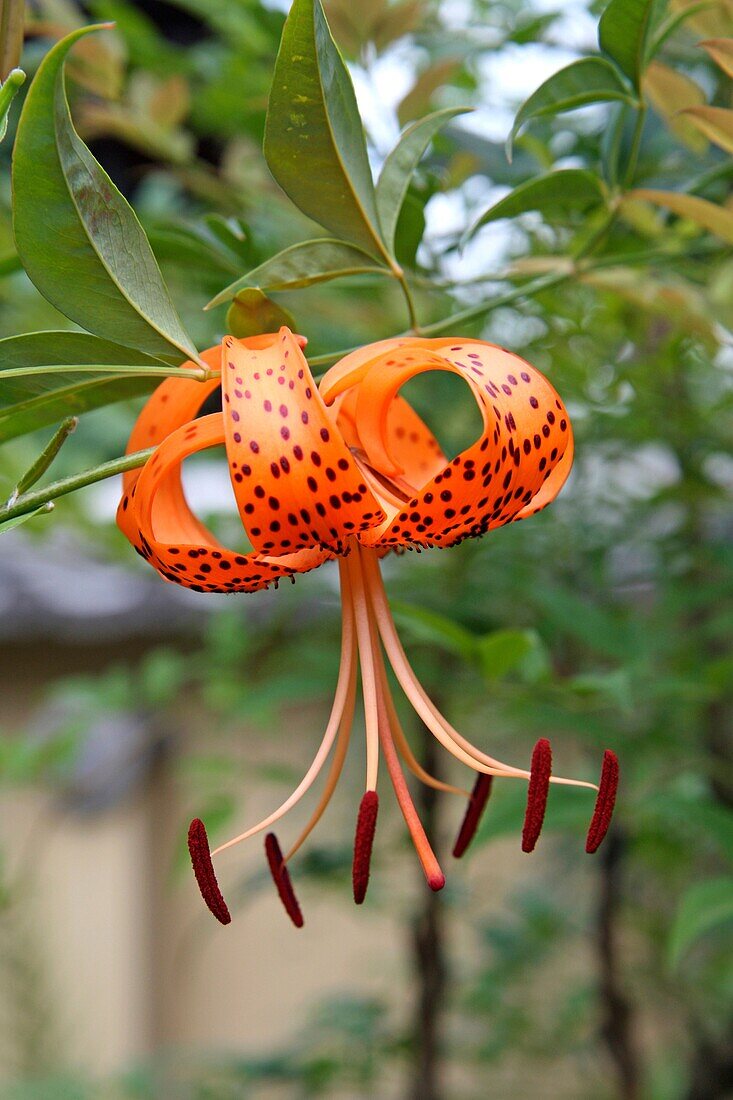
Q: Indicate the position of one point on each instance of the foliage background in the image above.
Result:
(602, 622)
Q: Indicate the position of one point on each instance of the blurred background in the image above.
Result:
(129, 706)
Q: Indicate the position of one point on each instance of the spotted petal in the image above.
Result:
(295, 479)
(163, 532)
(516, 467)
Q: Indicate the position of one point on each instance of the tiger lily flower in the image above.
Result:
(349, 471)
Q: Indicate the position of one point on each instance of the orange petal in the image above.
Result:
(163, 532)
(414, 448)
(507, 474)
(350, 370)
(294, 478)
(173, 403)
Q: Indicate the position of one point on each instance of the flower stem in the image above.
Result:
(28, 502)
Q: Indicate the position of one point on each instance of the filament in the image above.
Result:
(366, 659)
(337, 710)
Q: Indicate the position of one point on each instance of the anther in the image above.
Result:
(203, 868)
(474, 810)
(604, 802)
(539, 785)
(366, 823)
(281, 878)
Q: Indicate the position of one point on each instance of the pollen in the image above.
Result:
(605, 802)
(366, 824)
(203, 869)
(474, 812)
(281, 878)
(537, 791)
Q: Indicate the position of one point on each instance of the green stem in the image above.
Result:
(202, 375)
(476, 313)
(11, 35)
(28, 502)
(635, 144)
(410, 302)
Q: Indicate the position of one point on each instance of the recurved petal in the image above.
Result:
(508, 473)
(409, 441)
(294, 477)
(165, 532)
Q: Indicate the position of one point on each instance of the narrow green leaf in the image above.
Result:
(45, 458)
(10, 524)
(703, 908)
(77, 236)
(622, 34)
(669, 25)
(571, 190)
(400, 165)
(252, 313)
(716, 219)
(590, 80)
(303, 265)
(33, 401)
(8, 91)
(314, 138)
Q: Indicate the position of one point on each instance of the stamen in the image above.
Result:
(401, 743)
(337, 763)
(366, 823)
(604, 802)
(474, 810)
(356, 582)
(281, 878)
(448, 736)
(425, 853)
(348, 653)
(539, 786)
(203, 868)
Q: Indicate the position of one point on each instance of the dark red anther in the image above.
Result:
(366, 823)
(539, 786)
(474, 810)
(203, 868)
(605, 802)
(281, 878)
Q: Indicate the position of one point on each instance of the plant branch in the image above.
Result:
(11, 35)
(28, 502)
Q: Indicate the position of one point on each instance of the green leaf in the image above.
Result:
(304, 265)
(78, 238)
(10, 524)
(314, 138)
(567, 191)
(252, 313)
(703, 908)
(400, 165)
(501, 651)
(590, 80)
(716, 219)
(8, 91)
(31, 402)
(622, 34)
(45, 458)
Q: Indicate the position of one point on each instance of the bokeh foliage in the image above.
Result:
(604, 621)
